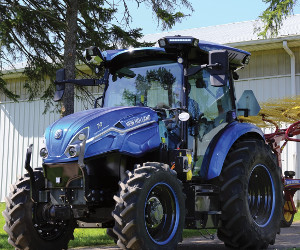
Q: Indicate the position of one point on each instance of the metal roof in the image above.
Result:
(235, 34)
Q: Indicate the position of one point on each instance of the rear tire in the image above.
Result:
(251, 196)
(24, 223)
(150, 209)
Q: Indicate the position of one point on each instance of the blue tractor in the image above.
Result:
(163, 152)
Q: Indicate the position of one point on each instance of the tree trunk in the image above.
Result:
(70, 55)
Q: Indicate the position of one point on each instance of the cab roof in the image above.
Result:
(199, 53)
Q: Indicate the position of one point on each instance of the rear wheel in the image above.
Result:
(251, 196)
(25, 224)
(150, 208)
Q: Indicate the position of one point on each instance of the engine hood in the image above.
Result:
(131, 130)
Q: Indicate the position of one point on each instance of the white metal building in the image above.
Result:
(273, 72)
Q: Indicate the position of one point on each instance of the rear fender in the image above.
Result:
(219, 147)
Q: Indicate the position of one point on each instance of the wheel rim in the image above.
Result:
(287, 214)
(261, 195)
(47, 230)
(161, 213)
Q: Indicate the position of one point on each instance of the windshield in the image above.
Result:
(151, 83)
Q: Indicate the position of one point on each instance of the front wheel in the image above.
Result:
(251, 196)
(150, 208)
(25, 224)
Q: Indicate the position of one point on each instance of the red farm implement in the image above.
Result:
(291, 185)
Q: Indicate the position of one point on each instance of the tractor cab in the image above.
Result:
(188, 82)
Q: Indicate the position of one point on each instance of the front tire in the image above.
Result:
(150, 209)
(251, 196)
(25, 224)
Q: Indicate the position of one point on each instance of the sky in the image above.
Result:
(206, 13)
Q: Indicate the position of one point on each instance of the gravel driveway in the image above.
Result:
(288, 238)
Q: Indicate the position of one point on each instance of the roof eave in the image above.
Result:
(267, 44)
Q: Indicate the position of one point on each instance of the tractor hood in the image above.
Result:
(129, 130)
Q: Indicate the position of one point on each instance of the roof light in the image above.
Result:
(161, 43)
(180, 60)
(173, 41)
(246, 59)
(93, 54)
(196, 42)
(180, 40)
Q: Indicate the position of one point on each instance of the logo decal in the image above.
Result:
(138, 120)
(58, 133)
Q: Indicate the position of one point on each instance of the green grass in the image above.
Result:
(297, 216)
(3, 234)
(94, 237)
(90, 237)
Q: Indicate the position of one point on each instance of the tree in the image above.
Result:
(273, 16)
(49, 34)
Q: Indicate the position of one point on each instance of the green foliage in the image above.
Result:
(90, 237)
(168, 19)
(3, 235)
(272, 17)
(7, 92)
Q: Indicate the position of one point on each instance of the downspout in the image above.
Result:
(293, 67)
(293, 93)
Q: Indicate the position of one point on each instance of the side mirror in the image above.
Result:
(218, 73)
(247, 104)
(60, 87)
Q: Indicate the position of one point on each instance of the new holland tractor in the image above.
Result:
(163, 151)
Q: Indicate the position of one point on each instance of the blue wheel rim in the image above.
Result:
(261, 195)
(161, 213)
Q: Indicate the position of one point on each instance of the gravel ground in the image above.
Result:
(289, 238)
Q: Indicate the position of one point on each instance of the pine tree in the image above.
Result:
(49, 34)
(273, 16)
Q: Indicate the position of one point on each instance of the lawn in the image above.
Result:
(92, 237)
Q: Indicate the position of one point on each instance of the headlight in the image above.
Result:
(44, 153)
(73, 148)
(74, 151)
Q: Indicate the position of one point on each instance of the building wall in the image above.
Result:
(21, 124)
(269, 74)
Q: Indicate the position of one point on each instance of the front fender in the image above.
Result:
(220, 146)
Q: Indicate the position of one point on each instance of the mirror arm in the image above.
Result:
(82, 82)
(213, 65)
(198, 68)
